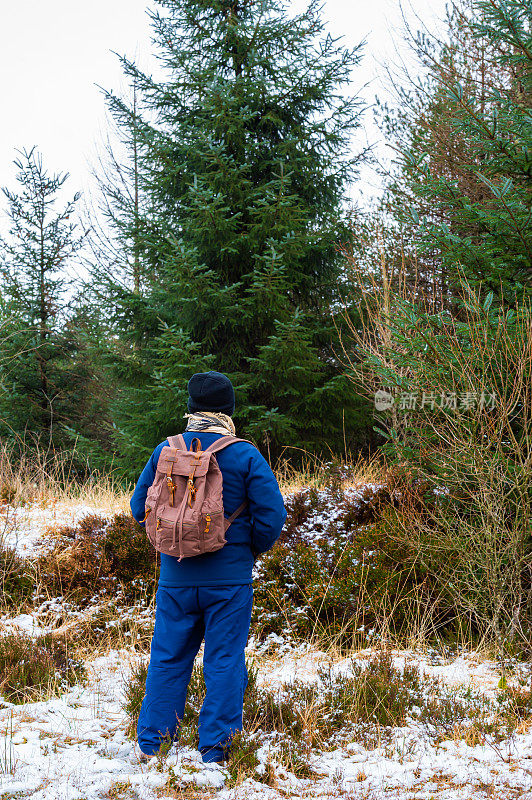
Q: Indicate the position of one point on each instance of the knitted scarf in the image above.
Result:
(211, 422)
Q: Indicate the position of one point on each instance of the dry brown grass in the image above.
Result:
(106, 627)
(318, 473)
(52, 482)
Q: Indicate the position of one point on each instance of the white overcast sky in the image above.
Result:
(55, 53)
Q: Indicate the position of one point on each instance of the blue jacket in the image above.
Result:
(246, 475)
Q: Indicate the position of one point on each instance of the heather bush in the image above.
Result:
(339, 569)
(17, 579)
(243, 760)
(31, 669)
(100, 557)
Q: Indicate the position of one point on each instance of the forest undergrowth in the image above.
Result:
(341, 590)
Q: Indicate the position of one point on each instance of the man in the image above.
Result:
(208, 596)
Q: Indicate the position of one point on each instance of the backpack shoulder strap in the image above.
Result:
(223, 442)
(177, 441)
(215, 447)
(229, 520)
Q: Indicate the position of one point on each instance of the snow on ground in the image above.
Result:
(75, 747)
(302, 663)
(22, 623)
(23, 527)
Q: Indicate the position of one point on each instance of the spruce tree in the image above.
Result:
(243, 159)
(43, 390)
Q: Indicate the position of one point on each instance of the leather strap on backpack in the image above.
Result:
(229, 520)
(177, 441)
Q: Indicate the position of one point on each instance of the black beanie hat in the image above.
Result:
(211, 391)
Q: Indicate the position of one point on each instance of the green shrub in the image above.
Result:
(130, 554)
(294, 755)
(377, 692)
(242, 758)
(462, 713)
(31, 669)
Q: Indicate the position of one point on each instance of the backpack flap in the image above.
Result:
(182, 462)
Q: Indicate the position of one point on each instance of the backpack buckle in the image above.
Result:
(171, 489)
(191, 491)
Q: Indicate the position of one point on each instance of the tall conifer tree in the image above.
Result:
(44, 371)
(243, 158)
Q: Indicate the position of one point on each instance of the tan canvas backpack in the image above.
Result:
(184, 504)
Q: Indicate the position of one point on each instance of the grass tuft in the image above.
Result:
(134, 690)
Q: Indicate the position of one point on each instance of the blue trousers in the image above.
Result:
(183, 617)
